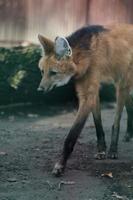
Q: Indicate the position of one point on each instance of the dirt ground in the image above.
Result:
(31, 140)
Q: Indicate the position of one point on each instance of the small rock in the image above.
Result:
(32, 115)
(11, 179)
(2, 153)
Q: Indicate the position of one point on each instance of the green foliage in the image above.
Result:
(19, 74)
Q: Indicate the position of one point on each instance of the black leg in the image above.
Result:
(129, 108)
(101, 144)
(72, 138)
(121, 97)
(84, 110)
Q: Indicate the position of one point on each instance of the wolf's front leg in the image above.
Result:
(85, 107)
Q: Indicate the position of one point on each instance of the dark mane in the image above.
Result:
(83, 35)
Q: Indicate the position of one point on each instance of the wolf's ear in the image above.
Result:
(62, 47)
(47, 45)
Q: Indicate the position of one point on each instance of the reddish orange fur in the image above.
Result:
(109, 57)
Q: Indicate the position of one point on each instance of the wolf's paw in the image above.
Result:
(112, 154)
(100, 155)
(58, 169)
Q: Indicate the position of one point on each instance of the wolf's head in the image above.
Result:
(56, 65)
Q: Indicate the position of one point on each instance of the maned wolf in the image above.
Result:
(90, 56)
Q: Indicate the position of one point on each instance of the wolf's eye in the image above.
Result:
(52, 73)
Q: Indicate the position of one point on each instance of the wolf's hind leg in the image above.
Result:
(129, 108)
(121, 99)
(101, 144)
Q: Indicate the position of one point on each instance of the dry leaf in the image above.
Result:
(108, 174)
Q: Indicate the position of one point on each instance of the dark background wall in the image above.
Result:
(24, 19)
